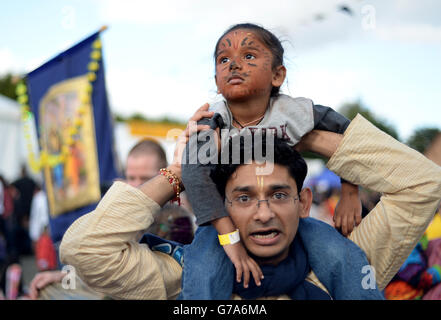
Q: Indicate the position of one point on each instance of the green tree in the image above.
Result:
(350, 110)
(118, 117)
(137, 117)
(8, 83)
(422, 138)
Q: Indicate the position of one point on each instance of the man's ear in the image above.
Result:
(305, 202)
(279, 75)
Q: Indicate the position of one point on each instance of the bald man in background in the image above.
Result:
(144, 161)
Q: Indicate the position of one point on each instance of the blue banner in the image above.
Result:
(67, 96)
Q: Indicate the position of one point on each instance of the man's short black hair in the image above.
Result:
(284, 155)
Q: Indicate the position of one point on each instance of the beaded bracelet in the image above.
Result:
(174, 181)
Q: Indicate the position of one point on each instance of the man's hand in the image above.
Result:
(192, 128)
(42, 280)
(347, 213)
(243, 263)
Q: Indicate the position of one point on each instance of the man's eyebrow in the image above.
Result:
(242, 189)
(279, 187)
(272, 187)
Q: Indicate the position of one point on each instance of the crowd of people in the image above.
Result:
(16, 201)
(243, 228)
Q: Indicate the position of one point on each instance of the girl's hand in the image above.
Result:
(243, 263)
(347, 213)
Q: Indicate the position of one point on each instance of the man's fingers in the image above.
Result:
(358, 218)
(33, 294)
(205, 106)
(35, 285)
(183, 138)
(193, 127)
(344, 225)
(202, 112)
(350, 223)
(337, 220)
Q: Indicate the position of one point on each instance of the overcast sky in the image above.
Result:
(158, 54)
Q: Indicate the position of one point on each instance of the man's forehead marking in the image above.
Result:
(260, 182)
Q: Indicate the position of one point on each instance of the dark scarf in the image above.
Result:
(288, 277)
(172, 248)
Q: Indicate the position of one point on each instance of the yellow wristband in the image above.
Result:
(229, 238)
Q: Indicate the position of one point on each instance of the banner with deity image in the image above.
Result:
(75, 181)
(68, 101)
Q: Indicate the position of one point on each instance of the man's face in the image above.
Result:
(141, 168)
(266, 231)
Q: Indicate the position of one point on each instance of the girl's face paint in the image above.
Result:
(243, 66)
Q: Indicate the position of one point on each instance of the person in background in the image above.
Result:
(23, 192)
(419, 278)
(3, 232)
(144, 160)
(44, 249)
(39, 217)
(14, 237)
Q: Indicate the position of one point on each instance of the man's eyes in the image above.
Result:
(275, 196)
(243, 198)
(279, 196)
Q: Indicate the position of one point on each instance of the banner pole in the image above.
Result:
(103, 28)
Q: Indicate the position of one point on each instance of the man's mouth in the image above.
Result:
(265, 237)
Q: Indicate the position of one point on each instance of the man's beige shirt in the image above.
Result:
(103, 245)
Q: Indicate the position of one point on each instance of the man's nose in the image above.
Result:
(264, 212)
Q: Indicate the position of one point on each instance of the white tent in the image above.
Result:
(12, 144)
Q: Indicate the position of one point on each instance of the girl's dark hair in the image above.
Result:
(284, 155)
(268, 38)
